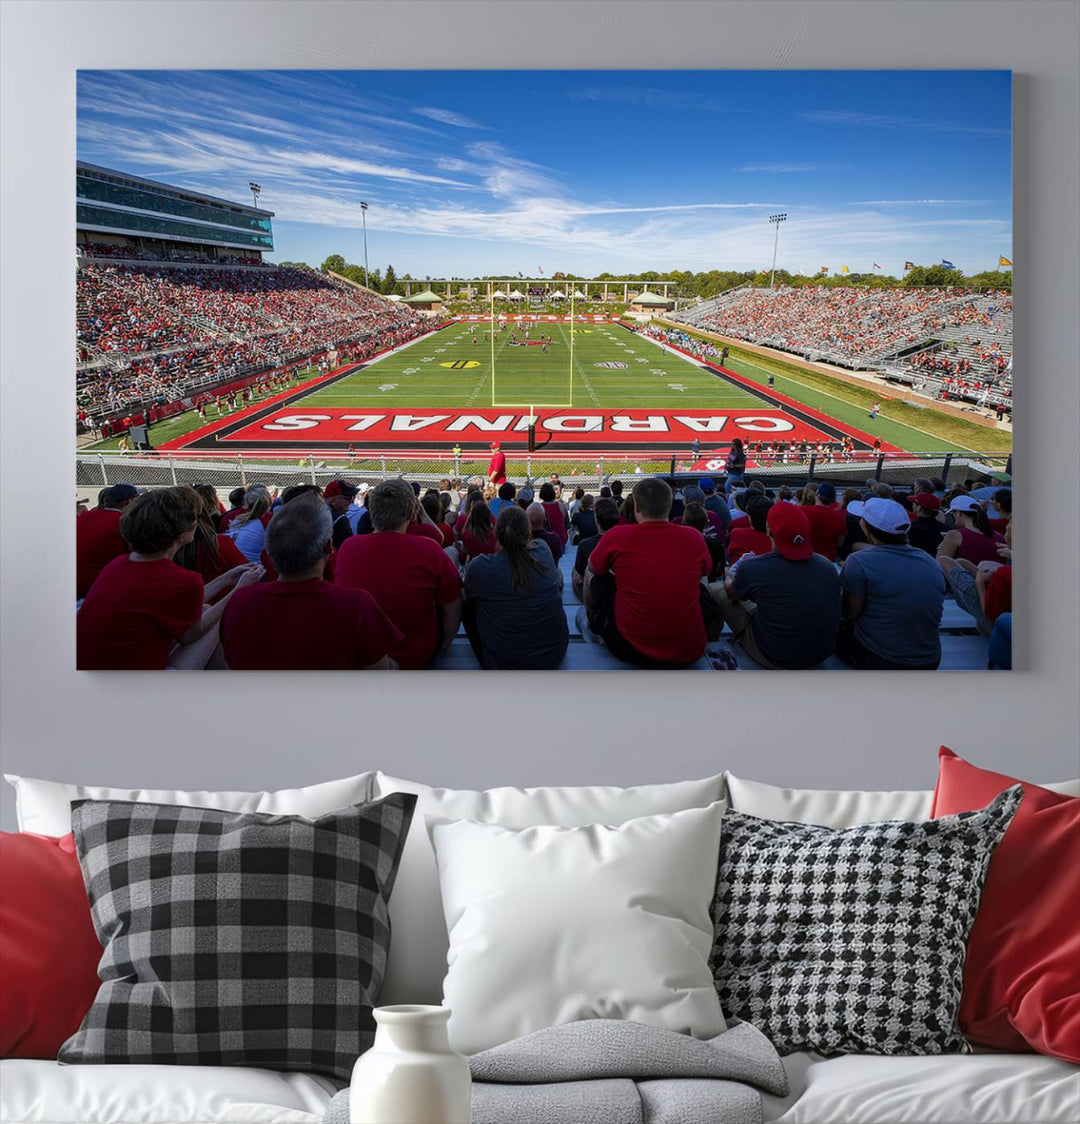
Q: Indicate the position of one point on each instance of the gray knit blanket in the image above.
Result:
(607, 1071)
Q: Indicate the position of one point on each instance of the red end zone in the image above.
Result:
(407, 427)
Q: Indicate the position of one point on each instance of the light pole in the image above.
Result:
(776, 220)
(255, 189)
(363, 218)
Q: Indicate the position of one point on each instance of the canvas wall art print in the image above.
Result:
(575, 370)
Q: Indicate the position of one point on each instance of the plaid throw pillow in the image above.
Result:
(853, 941)
(236, 939)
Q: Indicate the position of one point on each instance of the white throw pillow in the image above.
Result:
(44, 807)
(418, 943)
(839, 808)
(551, 925)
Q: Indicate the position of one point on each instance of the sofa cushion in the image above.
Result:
(236, 939)
(851, 941)
(48, 950)
(417, 964)
(551, 925)
(838, 807)
(949, 1089)
(44, 807)
(42, 1092)
(1022, 975)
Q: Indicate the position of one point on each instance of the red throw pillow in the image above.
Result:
(48, 950)
(1021, 984)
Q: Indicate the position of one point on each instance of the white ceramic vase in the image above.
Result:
(410, 1075)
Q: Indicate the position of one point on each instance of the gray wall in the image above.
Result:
(864, 730)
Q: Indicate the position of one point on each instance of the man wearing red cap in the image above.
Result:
(497, 465)
(784, 607)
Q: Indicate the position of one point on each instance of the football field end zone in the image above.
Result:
(403, 430)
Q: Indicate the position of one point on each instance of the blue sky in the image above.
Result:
(480, 172)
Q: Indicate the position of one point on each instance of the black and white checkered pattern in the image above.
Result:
(851, 941)
(237, 939)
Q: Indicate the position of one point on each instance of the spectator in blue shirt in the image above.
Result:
(892, 595)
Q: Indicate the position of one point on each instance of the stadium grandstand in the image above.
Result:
(953, 343)
(174, 301)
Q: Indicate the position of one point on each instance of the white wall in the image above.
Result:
(859, 730)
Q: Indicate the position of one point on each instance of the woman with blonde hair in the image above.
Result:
(248, 531)
(209, 553)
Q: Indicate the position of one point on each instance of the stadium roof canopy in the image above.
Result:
(426, 297)
(651, 300)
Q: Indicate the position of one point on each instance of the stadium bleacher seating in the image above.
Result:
(866, 328)
(159, 330)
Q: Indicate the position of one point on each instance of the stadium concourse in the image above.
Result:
(716, 575)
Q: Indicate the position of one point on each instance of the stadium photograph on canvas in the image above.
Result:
(537, 370)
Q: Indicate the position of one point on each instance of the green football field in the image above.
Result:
(449, 369)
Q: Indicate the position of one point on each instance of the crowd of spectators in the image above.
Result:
(148, 332)
(848, 324)
(351, 576)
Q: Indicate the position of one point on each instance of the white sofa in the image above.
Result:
(980, 1088)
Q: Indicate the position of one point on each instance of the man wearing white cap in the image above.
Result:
(893, 594)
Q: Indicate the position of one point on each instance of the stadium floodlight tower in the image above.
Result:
(254, 188)
(363, 219)
(776, 220)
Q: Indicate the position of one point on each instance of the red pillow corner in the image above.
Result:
(49, 952)
(1021, 988)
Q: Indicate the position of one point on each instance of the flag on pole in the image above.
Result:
(908, 265)
(947, 264)
(541, 268)
(1003, 261)
(824, 269)
(844, 269)
(876, 266)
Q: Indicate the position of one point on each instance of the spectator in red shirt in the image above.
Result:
(971, 539)
(209, 554)
(643, 585)
(434, 508)
(97, 536)
(478, 533)
(749, 536)
(1002, 508)
(236, 499)
(556, 512)
(497, 465)
(828, 522)
(411, 579)
(301, 622)
(144, 611)
(985, 591)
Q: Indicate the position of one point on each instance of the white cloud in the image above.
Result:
(782, 169)
(890, 121)
(448, 117)
(919, 202)
(654, 98)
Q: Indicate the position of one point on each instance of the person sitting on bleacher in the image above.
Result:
(828, 523)
(607, 516)
(714, 502)
(301, 621)
(537, 518)
(749, 536)
(1000, 510)
(893, 595)
(643, 585)
(927, 529)
(513, 612)
(783, 605)
(984, 591)
(972, 538)
(411, 578)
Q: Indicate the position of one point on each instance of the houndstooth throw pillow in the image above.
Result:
(851, 941)
(236, 939)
